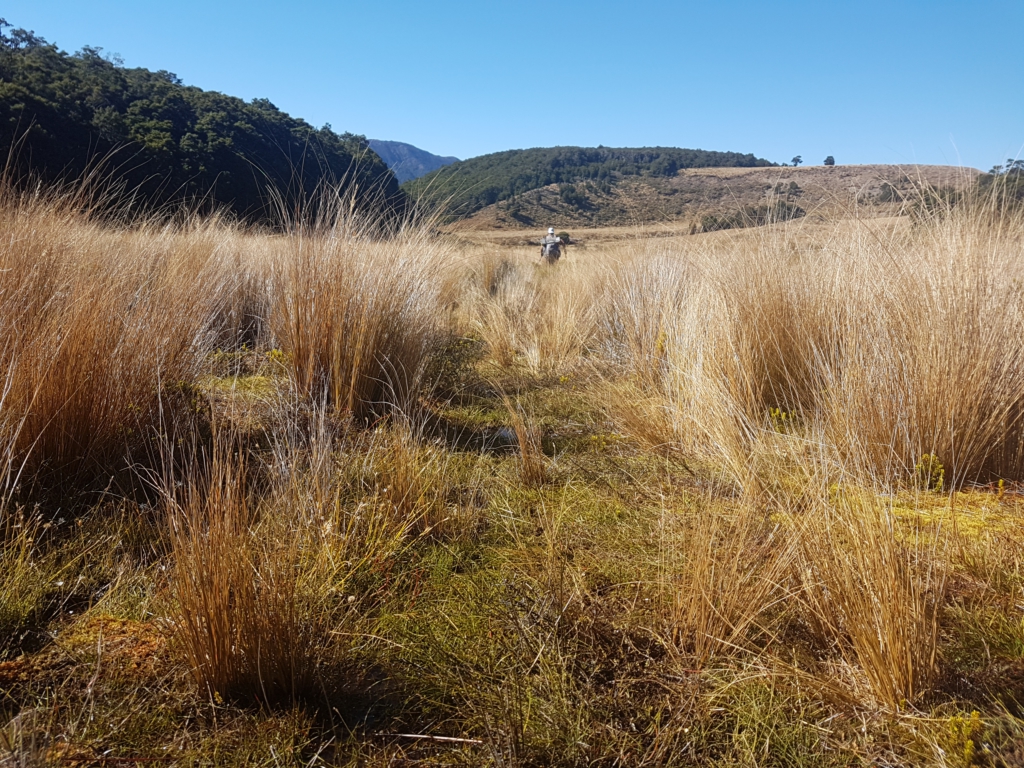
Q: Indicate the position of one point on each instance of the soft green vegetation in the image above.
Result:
(467, 186)
(147, 137)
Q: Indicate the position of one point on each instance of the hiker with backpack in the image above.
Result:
(551, 247)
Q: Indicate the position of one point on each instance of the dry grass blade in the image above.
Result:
(358, 315)
(723, 572)
(101, 334)
(238, 622)
(546, 319)
(413, 481)
(875, 592)
(533, 465)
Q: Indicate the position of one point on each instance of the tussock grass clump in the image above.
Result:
(724, 571)
(645, 293)
(892, 342)
(533, 465)
(269, 576)
(418, 484)
(928, 362)
(874, 595)
(101, 333)
(543, 318)
(356, 314)
(239, 622)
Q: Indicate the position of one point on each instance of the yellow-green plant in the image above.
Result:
(929, 473)
(781, 421)
(25, 578)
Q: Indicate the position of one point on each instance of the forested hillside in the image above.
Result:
(165, 143)
(467, 186)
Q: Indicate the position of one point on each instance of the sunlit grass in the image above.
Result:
(667, 503)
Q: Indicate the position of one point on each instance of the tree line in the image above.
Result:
(164, 144)
(467, 186)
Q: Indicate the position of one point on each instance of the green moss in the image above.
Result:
(979, 635)
(766, 722)
(478, 415)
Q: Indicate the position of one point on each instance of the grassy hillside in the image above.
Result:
(465, 187)
(743, 498)
(717, 198)
(163, 143)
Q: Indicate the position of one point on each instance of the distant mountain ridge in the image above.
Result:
(406, 161)
(465, 187)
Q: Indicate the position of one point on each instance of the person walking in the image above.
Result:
(551, 247)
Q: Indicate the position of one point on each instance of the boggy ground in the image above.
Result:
(589, 530)
(537, 622)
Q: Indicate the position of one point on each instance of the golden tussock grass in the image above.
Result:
(725, 571)
(894, 343)
(103, 331)
(877, 345)
(540, 317)
(262, 576)
(533, 465)
(358, 313)
(745, 519)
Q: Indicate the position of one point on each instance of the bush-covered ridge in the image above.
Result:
(167, 143)
(470, 185)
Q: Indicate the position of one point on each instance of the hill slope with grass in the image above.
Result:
(408, 162)
(466, 187)
(164, 143)
(707, 199)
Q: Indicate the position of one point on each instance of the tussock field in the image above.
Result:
(338, 496)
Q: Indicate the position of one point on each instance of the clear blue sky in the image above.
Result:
(866, 81)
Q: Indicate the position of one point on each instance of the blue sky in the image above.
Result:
(865, 81)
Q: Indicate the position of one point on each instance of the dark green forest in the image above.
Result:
(467, 186)
(162, 144)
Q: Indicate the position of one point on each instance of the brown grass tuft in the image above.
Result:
(239, 623)
(358, 315)
(101, 334)
(533, 465)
